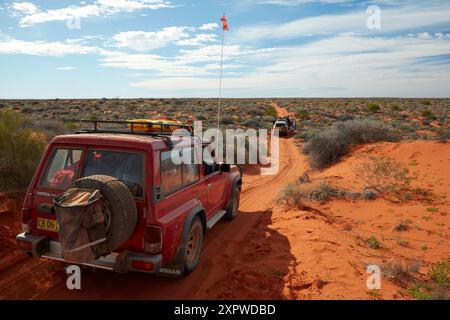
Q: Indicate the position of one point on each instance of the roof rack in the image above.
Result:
(165, 135)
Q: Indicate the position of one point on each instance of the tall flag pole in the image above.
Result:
(224, 28)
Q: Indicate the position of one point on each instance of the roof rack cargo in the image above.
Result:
(131, 128)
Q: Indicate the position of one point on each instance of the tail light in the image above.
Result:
(26, 220)
(153, 239)
(26, 213)
(142, 265)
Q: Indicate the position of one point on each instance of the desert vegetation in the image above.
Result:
(412, 118)
(236, 113)
(21, 150)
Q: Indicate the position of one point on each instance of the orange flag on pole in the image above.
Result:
(224, 23)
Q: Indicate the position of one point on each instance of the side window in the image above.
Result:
(171, 176)
(209, 165)
(61, 169)
(191, 171)
(176, 176)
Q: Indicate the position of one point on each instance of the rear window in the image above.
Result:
(280, 124)
(62, 168)
(127, 167)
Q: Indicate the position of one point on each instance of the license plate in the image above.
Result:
(47, 224)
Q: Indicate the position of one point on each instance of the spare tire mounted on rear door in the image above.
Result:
(109, 215)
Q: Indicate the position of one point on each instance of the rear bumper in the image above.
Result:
(125, 261)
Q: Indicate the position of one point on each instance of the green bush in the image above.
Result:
(426, 113)
(272, 112)
(21, 151)
(372, 107)
(303, 115)
(439, 273)
(328, 146)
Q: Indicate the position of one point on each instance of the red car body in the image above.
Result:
(163, 216)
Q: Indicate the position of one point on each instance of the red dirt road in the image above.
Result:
(227, 246)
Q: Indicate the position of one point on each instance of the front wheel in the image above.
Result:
(194, 243)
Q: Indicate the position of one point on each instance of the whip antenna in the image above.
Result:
(224, 28)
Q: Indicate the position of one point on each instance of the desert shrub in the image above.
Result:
(27, 110)
(329, 145)
(373, 243)
(399, 270)
(226, 120)
(303, 115)
(302, 191)
(50, 128)
(372, 107)
(438, 286)
(427, 113)
(272, 112)
(401, 226)
(256, 112)
(439, 273)
(200, 117)
(21, 151)
(420, 292)
(444, 135)
(384, 175)
(252, 123)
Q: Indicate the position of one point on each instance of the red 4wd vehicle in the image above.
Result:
(155, 211)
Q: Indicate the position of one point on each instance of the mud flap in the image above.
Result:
(175, 268)
(82, 224)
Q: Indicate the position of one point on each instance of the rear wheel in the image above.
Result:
(233, 208)
(194, 243)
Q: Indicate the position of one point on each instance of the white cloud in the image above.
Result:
(392, 20)
(198, 40)
(298, 2)
(24, 8)
(209, 26)
(98, 8)
(66, 68)
(43, 48)
(209, 53)
(162, 65)
(60, 15)
(145, 41)
(341, 66)
(132, 5)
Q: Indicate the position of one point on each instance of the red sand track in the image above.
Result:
(226, 246)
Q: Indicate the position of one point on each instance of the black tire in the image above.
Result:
(121, 207)
(233, 207)
(193, 246)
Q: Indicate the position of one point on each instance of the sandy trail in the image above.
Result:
(226, 246)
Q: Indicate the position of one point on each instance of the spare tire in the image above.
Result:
(121, 207)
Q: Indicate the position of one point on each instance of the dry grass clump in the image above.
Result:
(300, 192)
(385, 175)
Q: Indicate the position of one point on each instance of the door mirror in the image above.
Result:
(225, 167)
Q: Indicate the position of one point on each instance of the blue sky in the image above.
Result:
(171, 48)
